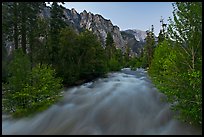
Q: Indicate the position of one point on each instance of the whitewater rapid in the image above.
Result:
(124, 103)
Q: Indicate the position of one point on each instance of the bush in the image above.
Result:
(30, 91)
(42, 92)
(19, 69)
(181, 84)
(114, 65)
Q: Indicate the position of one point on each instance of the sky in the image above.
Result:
(128, 15)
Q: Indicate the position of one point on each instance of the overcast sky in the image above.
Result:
(128, 15)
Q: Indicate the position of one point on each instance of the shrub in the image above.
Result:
(29, 90)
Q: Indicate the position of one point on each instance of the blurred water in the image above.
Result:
(124, 103)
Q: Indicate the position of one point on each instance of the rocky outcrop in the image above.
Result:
(135, 41)
(93, 22)
(138, 34)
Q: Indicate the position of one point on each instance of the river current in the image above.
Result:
(124, 103)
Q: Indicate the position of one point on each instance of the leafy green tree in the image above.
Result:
(69, 64)
(40, 94)
(91, 56)
(177, 62)
(19, 69)
(135, 62)
(186, 31)
(29, 91)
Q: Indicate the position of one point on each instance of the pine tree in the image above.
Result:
(56, 24)
(91, 56)
(40, 48)
(111, 53)
(149, 48)
(68, 67)
(21, 18)
(162, 33)
(127, 54)
(10, 23)
(110, 47)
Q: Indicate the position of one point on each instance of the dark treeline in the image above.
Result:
(48, 55)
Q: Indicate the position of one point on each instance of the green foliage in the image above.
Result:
(148, 48)
(29, 90)
(19, 69)
(180, 86)
(7, 21)
(114, 56)
(67, 66)
(56, 24)
(113, 65)
(176, 65)
(135, 62)
(5, 62)
(127, 54)
(120, 58)
(80, 56)
(43, 91)
(40, 49)
(161, 36)
(161, 53)
(110, 47)
(56, 21)
(91, 56)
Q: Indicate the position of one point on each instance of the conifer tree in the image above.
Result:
(149, 48)
(110, 48)
(56, 24)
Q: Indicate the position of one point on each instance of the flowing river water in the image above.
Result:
(124, 103)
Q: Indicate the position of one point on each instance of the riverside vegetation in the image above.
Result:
(38, 69)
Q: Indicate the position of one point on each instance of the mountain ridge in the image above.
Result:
(93, 22)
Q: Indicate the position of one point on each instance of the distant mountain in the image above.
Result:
(93, 22)
(134, 39)
(138, 34)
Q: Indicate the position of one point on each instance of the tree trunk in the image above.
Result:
(23, 31)
(15, 26)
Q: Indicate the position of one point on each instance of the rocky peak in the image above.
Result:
(95, 23)
(84, 12)
(139, 35)
(73, 11)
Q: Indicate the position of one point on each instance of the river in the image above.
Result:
(124, 103)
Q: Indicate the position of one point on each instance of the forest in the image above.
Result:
(50, 55)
